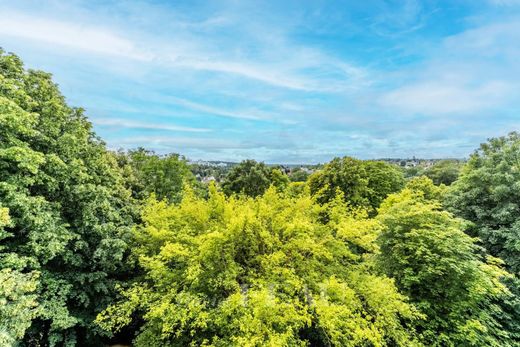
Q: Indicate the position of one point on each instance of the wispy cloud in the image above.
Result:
(472, 72)
(70, 35)
(186, 51)
(124, 123)
(436, 97)
(398, 20)
(182, 144)
(213, 110)
(280, 81)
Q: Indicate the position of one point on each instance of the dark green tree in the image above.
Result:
(69, 212)
(298, 175)
(487, 193)
(363, 183)
(163, 175)
(441, 270)
(444, 171)
(346, 174)
(414, 171)
(383, 180)
(252, 179)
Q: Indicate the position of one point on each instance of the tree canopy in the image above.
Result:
(164, 176)
(66, 242)
(253, 179)
(443, 171)
(259, 272)
(487, 193)
(299, 175)
(441, 269)
(363, 183)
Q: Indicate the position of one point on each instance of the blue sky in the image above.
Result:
(280, 81)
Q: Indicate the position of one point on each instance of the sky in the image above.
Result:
(280, 81)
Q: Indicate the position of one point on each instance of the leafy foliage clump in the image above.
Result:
(17, 301)
(253, 179)
(259, 272)
(441, 269)
(150, 173)
(65, 245)
(444, 171)
(363, 183)
(488, 194)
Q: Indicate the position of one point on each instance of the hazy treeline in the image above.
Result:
(99, 247)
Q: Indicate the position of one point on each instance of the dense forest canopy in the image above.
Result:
(101, 247)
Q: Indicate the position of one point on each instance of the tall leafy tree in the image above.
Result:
(279, 179)
(487, 193)
(442, 270)
(70, 213)
(383, 180)
(444, 171)
(252, 179)
(162, 175)
(363, 183)
(259, 272)
(299, 175)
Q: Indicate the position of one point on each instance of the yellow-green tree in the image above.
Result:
(18, 306)
(239, 271)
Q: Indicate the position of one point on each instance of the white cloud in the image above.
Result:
(213, 110)
(68, 34)
(251, 71)
(437, 97)
(496, 38)
(166, 142)
(124, 123)
(471, 72)
(277, 63)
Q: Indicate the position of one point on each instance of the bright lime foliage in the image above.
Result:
(70, 214)
(17, 303)
(363, 183)
(18, 306)
(441, 270)
(259, 272)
